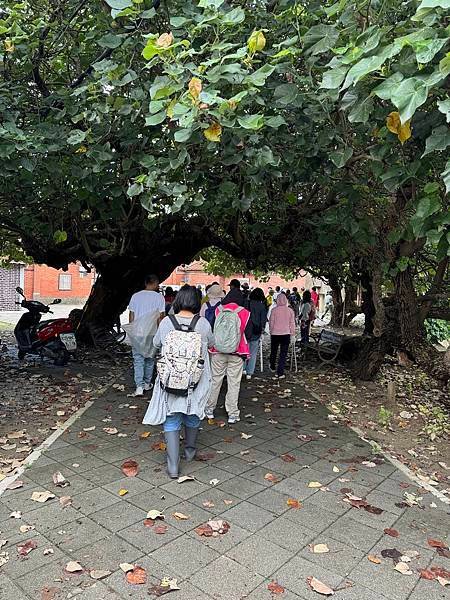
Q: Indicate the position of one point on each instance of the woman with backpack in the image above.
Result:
(307, 315)
(257, 324)
(214, 295)
(282, 328)
(183, 383)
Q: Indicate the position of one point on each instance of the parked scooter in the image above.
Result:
(54, 338)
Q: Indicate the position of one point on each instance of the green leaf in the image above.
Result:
(320, 38)
(110, 41)
(235, 16)
(444, 107)
(182, 135)
(332, 79)
(151, 49)
(251, 121)
(259, 77)
(60, 236)
(135, 189)
(360, 113)
(275, 122)
(341, 157)
(434, 4)
(408, 96)
(369, 64)
(446, 176)
(438, 140)
(428, 205)
(286, 93)
(426, 49)
(210, 3)
(178, 22)
(119, 4)
(389, 85)
(444, 65)
(76, 137)
(156, 119)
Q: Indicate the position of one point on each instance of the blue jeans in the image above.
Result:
(143, 369)
(251, 363)
(175, 421)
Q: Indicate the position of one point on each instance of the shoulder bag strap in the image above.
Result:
(174, 322)
(194, 322)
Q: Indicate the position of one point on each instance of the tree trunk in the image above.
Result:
(411, 329)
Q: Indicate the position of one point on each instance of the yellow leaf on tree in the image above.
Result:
(256, 42)
(394, 125)
(165, 40)
(171, 107)
(9, 46)
(81, 150)
(213, 132)
(195, 87)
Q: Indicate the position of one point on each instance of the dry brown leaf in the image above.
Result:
(165, 40)
(403, 568)
(99, 574)
(14, 485)
(42, 496)
(391, 532)
(271, 477)
(144, 435)
(137, 576)
(437, 544)
(184, 478)
(26, 547)
(160, 529)
(180, 516)
(319, 587)
(73, 567)
(288, 458)
(374, 559)
(208, 504)
(319, 548)
(275, 588)
(65, 501)
(158, 446)
(130, 468)
(314, 484)
(110, 430)
(59, 480)
(292, 503)
(25, 528)
(228, 502)
(155, 514)
(125, 567)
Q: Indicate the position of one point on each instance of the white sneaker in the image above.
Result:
(281, 376)
(139, 391)
(209, 416)
(148, 386)
(233, 420)
(248, 377)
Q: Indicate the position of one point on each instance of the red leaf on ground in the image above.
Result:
(292, 503)
(204, 456)
(26, 547)
(49, 593)
(374, 510)
(437, 544)
(158, 446)
(271, 477)
(440, 572)
(288, 458)
(346, 491)
(391, 532)
(161, 529)
(275, 588)
(137, 576)
(205, 530)
(445, 552)
(130, 468)
(425, 574)
(149, 522)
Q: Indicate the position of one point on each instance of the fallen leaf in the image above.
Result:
(26, 547)
(275, 588)
(374, 559)
(130, 468)
(155, 514)
(3, 543)
(319, 548)
(314, 484)
(137, 576)
(246, 436)
(89, 428)
(48, 551)
(213, 528)
(443, 552)
(289, 458)
(336, 469)
(110, 430)
(391, 553)
(228, 502)
(214, 482)
(149, 522)
(16, 514)
(73, 567)
(160, 529)
(99, 574)
(292, 503)
(42, 496)
(125, 567)
(65, 501)
(391, 532)
(184, 478)
(167, 585)
(180, 516)
(144, 435)
(319, 587)
(271, 477)
(403, 568)
(122, 492)
(60, 413)
(437, 544)
(208, 504)
(406, 415)
(14, 485)
(59, 480)
(49, 593)
(165, 40)
(25, 528)
(158, 446)
(15, 435)
(4, 557)
(443, 581)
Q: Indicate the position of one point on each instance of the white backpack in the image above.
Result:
(181, 364)
(227, 330)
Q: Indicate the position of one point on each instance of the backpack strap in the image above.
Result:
(194, 322)
(208, 304)
(238, 310)
(175, 323)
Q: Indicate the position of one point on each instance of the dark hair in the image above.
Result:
(277, 289)
(306, 296)
(168, 291)
(235, 283)
(294, 289)
(314, 288)
(152, 279)
(187, 299)
(258, 295)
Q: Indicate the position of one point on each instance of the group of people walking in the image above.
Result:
(202, 340)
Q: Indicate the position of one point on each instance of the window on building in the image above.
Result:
(65, 281)
(83, 272)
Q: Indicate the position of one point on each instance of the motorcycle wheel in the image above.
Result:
(21, 354)
(62, 358)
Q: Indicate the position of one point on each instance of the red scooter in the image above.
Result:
(54, 338)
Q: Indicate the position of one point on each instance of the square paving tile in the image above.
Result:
(220, 499)
(107, 553)
(225, 579)
(94, 500)
(223, 543)
(294, 488)
(156, 498)
(76, 534)
(287, 534)
(241, 487)
(262, 593)
(210, 472)
(349, 531)
(146, 539)
(271, 500)
(248, 516)
(185, 555)
(118, 516)
(9, 590)
(341, 558)
(50, 516)
(294, 573)
(133, 485)
(185, 490)
(260, 555)
(234, 464)
(103, 475)
(18, 565)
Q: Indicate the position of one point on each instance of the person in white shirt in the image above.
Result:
(142, 303)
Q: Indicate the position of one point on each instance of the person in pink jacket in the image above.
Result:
(281, 327)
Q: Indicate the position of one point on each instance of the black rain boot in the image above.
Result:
(173, 453)
(190, 443)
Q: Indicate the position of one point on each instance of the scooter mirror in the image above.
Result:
(19, 290)
(56, 301)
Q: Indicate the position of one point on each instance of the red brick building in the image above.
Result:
(45, 283)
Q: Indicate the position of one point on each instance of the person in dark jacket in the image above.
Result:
(257, 324)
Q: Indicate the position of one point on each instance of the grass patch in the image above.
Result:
(6, 326)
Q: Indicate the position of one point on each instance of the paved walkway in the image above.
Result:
(268, 540)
